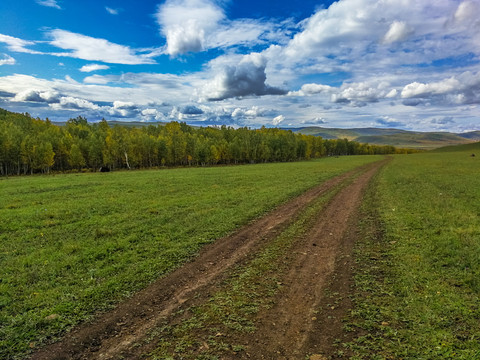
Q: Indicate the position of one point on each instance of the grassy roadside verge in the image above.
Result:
(71, 245)
(418, 264)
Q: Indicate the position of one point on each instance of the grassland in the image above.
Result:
(467, 149)
(71, 245)
(418, 278)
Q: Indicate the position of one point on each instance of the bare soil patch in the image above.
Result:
(291, 329)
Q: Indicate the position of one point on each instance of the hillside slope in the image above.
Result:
(473, 148)
(394, 137)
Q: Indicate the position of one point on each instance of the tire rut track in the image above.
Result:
(284, 331)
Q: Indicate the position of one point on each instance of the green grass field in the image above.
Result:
(71, 245)
(418, 285)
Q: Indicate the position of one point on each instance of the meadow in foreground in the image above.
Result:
(419, 265)
(75, 244)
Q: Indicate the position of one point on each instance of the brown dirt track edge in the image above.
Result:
(290, 329)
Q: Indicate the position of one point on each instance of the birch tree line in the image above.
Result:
(30, 145)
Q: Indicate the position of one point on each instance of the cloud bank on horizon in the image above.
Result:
(352, 63)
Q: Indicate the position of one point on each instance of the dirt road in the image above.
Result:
(292, 328)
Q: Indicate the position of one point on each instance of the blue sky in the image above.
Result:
(406, 64)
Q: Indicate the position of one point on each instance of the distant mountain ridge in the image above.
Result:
(395, 137)
(375, 136)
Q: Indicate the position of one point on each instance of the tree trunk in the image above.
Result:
(126, 160)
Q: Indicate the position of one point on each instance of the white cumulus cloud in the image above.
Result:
(461, 89)
(278, 119)
(198, 25)
(315, 121)
(48, 96)
(252, 112)
(99, 79)
(311, 89)
(417, 89)
(73, 103)
(7, 60)
(362, 92)
(17, 45)
(368, 36)
(186, 23)
(151, 113)
(124, 109)
(244, 79)
(467, 12)
(94, 49)
(399, 30)
(93, 67)
(124, 105)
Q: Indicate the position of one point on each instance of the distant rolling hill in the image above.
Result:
(473, 148)
(394, 137)
(474, 135)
